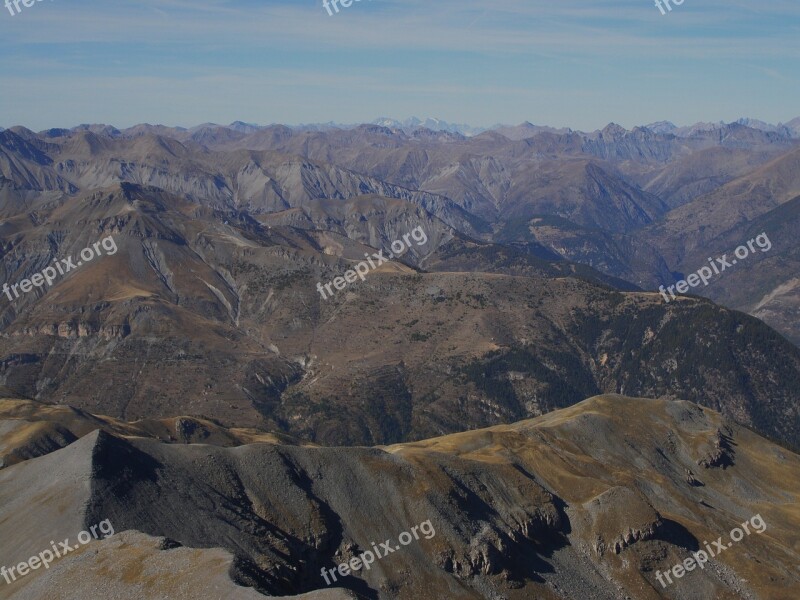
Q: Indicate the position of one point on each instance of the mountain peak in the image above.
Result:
(432, 123)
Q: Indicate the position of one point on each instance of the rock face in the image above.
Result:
(586, 501)
(722, 453)
(626, 514)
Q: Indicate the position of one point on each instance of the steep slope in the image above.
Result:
(24, 161)
(765, 284)
(592, 501)
(697, 228)
(702, 172)
(765, 201)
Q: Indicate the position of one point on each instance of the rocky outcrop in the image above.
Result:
(620, 517)
(721, 454)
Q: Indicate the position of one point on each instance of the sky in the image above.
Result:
(564, 63)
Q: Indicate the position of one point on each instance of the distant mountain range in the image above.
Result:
(790, 129)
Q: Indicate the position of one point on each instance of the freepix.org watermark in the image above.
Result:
(345, 4)
(718, 265)
(12, 4)
(398, 247)
(660, 4)
(700, 558)
(62, 266)
(45, 557)
(365, 559)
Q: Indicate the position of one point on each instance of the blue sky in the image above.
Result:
(576, 63)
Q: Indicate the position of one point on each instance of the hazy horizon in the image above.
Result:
(563, 65)
(371, 121)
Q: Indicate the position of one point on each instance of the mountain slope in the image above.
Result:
(212, 312)
(588, 501)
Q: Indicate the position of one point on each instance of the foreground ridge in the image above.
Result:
(595, 499)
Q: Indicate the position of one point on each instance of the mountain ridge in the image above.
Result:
(517, 509)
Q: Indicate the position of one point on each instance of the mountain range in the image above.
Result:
(515, 132)
(535, 287)
(514, 376)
